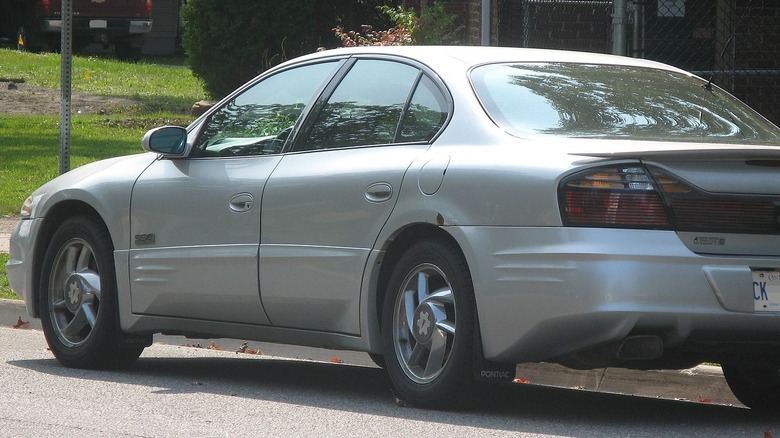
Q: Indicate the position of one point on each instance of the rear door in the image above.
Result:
(327, 200)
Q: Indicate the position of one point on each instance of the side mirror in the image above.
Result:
(170, 141)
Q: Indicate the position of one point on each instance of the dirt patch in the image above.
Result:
(22, 99)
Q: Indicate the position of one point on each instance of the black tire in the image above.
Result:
(756, 387)
(126, 52)
(79, 298)
(428, 326)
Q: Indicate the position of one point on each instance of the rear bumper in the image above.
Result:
(100, 26)
(547, 293)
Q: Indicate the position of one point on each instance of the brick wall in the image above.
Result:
(757, 55)
(569, 25)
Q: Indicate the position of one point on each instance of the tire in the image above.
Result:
(126, 52)
(757, 388)
(428, 326)
(79, 299)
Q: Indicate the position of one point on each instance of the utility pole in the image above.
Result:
(66, 71)
(619, 26)
(485, 27)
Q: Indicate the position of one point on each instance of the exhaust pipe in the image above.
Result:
(644, 347)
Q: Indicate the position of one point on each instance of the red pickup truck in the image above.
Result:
(36, 24)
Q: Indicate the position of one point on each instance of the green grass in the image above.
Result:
(29, 148)
(29, 145)
(158, 87)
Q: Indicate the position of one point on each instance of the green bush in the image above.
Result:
(434, 26)
(230, 41)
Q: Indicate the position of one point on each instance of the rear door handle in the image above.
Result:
(379, 192)
(241, 203)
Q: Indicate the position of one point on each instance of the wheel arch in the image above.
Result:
(392, 251)
(55, 216)
(395, 248)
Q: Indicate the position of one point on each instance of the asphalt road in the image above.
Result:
(179, 391)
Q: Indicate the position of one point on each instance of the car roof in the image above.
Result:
(468, 56)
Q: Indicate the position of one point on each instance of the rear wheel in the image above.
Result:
(127, 52)
(428, 325)
(79, 302)
(756, 387)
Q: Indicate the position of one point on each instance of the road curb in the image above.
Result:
(13, 311)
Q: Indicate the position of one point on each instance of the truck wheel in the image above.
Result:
(126, 52)
(79, 311)
(756, 387)
(428, 325)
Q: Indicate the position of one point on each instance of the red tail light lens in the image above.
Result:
(44, 6)
(613, 197)
(148, 7)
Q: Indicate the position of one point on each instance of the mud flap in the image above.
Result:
(487, 371)
(123, 338)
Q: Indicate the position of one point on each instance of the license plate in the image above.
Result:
(766, 291)
(98, 24)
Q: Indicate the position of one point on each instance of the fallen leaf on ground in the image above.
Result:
(336, 360)
(705, 400)
(20, 323)
(214, 346)
(244, 348)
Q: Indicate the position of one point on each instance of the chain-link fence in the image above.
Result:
(734, 42)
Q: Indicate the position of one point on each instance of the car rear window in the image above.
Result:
(609, 101)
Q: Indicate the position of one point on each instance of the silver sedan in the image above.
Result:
(452, 211)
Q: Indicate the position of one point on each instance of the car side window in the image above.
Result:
(366, 107)
(258, 120)
(426, 114)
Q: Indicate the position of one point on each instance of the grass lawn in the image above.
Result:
(29, 144)
(157, 87)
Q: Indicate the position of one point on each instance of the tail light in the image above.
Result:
(44, 6)
(148, 7)
(615, 197)
(646, 197)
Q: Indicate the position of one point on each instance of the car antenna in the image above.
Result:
(708, 85)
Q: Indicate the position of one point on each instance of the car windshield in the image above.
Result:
(609, 101)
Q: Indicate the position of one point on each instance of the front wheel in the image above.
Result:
(428, 325)
(79, 298)
(756, 387)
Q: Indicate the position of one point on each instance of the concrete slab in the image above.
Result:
(7, 226)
